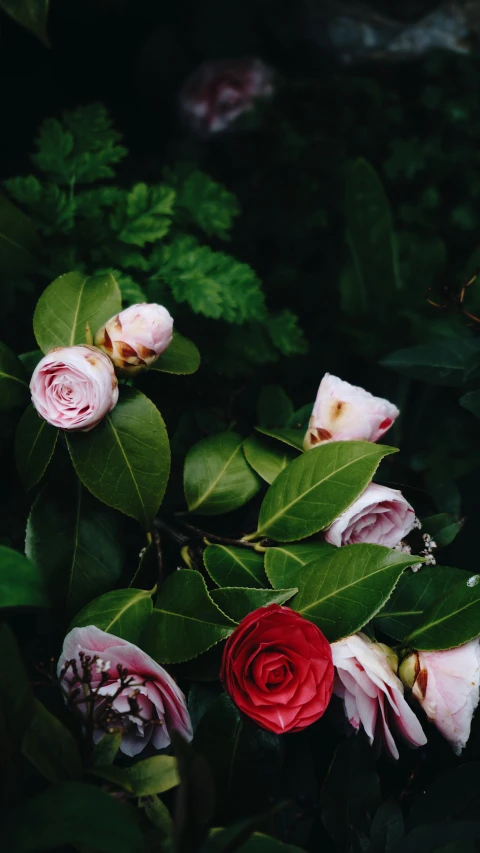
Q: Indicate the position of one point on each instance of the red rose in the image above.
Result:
(277, 667)
(220, 91)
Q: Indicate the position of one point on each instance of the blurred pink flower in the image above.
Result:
(344, 412)
(74, 387)
(380, 516)
(130, 690)
(447, 686)
(372, 694)
(218, 92)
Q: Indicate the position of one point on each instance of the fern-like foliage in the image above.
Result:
(151, 237)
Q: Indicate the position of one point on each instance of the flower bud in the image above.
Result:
(136, 337)
(73, 388)
(409, 669)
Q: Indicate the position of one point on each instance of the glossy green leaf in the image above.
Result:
(274, 407)
(122, 612)
(413, 596)
(341, 591)
(228, 566)
(237, 602)
(125, 460)
(13, 380)
(217, 477)
(21, 583)
(31, 14)
(19, 244)
(51, 747)
(74, 541)
(181, 357)
(443, 528)
(471, 402)
(221, 840)
(283, 563)
(72, 303)
(35, 442)
(315, 488)
(266, 458)
(185, 621)
(452, 620)
(154, 775)
(292, 437)
(58, 817)
(439, 363)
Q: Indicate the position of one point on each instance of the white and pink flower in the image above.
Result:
(136, 337)
(218, 92)
(344, 412)
(74, 387)
(372, 693)
(380, 516)
(130, 690)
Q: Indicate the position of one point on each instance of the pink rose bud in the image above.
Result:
(372, 693)
(136, 337)
(129, 690)
(380, 516)
(219, 92)
(74, 387)
(447, 685)
(344, 412)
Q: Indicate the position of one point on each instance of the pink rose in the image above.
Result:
(380, 516)
(136, 337)
(218, 92)
(344, 412)
(447, 685)
(128, 690)
(372, 694)
(74, 387)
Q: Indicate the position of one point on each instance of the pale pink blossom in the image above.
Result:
(218, 92)
(447, 686)
(344, 412)
(136, 337)
(372, 693)
(131, 691)
(380, 516)
(74, 387)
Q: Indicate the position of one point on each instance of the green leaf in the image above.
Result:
(443, 528)
(471, 402)
(452, 620)
(30, 360)
(283, 563)
(70, 304)
(387, 827)
(371, 237)
(204, 202)
(159, 815)
(58, 817)
(185, 621)
(439, 363)
(13, 380)
(31, 14)
(293, 437)
(122, 612)
(16, 694)
(266, 458)
(229, 566)
(414, 594)
(451, 795)
(19, 244)
(274, 407)
(21, 583)
(220, 841)
(343, 589)
(285, 333)
(105, 751)
(181, 357)
(35, 442)
(238, 602)
(315, 488)
(217, 477)
(51, 747)
(145, 217)
(154, 775)
(214, 284)
(74, 542)
(125, 460)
